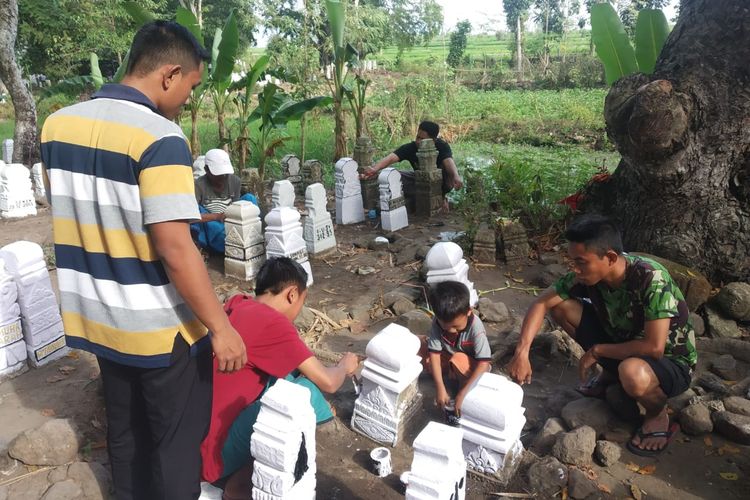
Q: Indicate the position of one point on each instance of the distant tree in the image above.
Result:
(516, 14)
(458, 43)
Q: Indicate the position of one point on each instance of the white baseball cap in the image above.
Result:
(218, 162)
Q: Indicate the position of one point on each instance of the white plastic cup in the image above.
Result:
(381, 461)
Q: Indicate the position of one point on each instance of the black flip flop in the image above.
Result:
(674, 428)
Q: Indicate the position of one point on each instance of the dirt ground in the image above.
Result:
(70, 387)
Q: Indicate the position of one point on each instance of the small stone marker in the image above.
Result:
(36, 174)
(16, 194)
(8, 150)
(40, 313)
(283, 194)
(292, 172)
(349, 208)
(513, 242)
(445, 262)
(283, 444)
(12, 347)
(363, 156)
(438, 470)
(390, 395)
(429, 180)
(318, 228)
(392, 209)
(484, 251)
(284, 237)
(312, 172)
(244, 246)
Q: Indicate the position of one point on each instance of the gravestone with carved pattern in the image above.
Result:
(244, 246)
(318, 227)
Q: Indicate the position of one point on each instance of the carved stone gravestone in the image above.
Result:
(40, 313)
(292, 172)
(8, 150)
(438, 470)
(349, 208)
(12, 347)
(244, 249)
(282, 194)
(318, 228)
(445, 262)
(283, 444)
(36, 174)
(492, 419)
(363, 151)
(484, 250)
(392, 209)
(429, 180)
(199, 167)
(16, 194)
(284, 238)
(312, 172)
(390, 395)
(513, 242)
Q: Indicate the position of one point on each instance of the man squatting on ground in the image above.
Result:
(133, 287)
(408, 152)
(631, 319)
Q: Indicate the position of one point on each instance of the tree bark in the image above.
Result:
(339, 130)
(25, 148)
(195, 142)
(682, 188)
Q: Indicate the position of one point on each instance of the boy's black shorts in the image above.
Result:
(674, 377)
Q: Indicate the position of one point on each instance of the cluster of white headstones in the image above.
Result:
(16, 193)
(30, 323)
(283, 229)
(445, 262)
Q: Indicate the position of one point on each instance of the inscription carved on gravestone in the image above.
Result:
(16, 194)
(392, 210)
(318, 227)
(12, 347)
(283, 444)
(40, 313)
(438, 469)
(484, 250)
(244, 245)
(292, 172)
(390, 395)
(363, 151)
(284, 238)
(513, 242)
(312, 172)
(492, 419)
(349, 208)
(429, 180)
(445, 262)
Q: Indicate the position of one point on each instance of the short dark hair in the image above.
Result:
(598, 234)
(164, 42)
(449, 299)
(432, 128)
(277, 273)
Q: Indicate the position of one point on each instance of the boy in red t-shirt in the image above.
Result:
(275, 350)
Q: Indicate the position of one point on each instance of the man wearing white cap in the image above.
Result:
(214, 192)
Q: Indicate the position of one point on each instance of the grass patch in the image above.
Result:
(6, 129)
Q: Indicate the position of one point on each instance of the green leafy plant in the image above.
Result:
(356, 94)
(243, 98)
(223, 55)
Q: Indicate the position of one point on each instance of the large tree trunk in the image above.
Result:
(25, 148)
(339, 131)
(682, 189)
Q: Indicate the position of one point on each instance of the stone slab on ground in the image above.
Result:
(607, 453)
(547, 477)
(695, 420)
(734, 301)
(416, 321)
(579, 485)
(725, 366)
(54, 443)
(718, 326)
(546, 438)
(732, 426)
(738, 405)
(575, 447)
(592, 412)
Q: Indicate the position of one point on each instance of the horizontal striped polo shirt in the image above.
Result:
(115, 166)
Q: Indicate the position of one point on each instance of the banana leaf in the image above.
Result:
(187, 19)
(292, 111)
(123, 67)
(252, 77)
(70, 86)
(651, 31)
(612, 43)
(337, 20)
(227, 51)
(96, 73)
(140, 15)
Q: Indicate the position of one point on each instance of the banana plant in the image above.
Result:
(223, 56)
(244, 90)
(79, 84)
(356, 93)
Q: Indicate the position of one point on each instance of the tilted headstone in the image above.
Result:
(429, 180)
(390, 395)
(244, 245)
(392, 209)
(492, 418)
(349, 208)
(312, 172)
(438, 470)
(292, 172)
(283, 444)
(12, 347)
(40, 313)
(445, 262)
(318, 228)
(363, 151)
(8, 150)
(284, 238)
(513, 242)
(484, 250)
(282, 194)
(16, 193)
(199, 167)
(38, 176)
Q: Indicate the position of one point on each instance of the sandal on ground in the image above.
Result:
(673, 429)
(595, 387)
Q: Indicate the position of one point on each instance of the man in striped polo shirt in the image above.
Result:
(133, 287)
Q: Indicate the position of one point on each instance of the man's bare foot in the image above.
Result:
(446, 206)
(659, 423)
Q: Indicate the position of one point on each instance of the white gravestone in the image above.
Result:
(8, 150)
(199, 167)
(283, 194)
(445, 262)
(492, 419)
(284, 238)
(349, 207)
(38, 176)
(40, 313)
(389, 395)
(318, 228)
(12, 347)
(283, 445)
(244, 245)
(392, 208)
(16, 194)
(292, 172)
(438, 470)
